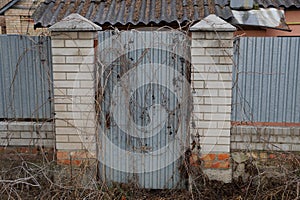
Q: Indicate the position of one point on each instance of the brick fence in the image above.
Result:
(73, 65)
(27, 140)
(73, 62)
(74, 89)
(212, 49)
(212, 138)
(252, 138)
(27, 134)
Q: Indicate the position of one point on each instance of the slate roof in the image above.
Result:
(143, 12)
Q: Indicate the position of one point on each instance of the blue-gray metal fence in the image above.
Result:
(25, 78)
(266, 79)
(144, 99)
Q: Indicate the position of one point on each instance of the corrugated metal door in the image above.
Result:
(143, 111)
(266, 80)
(25, 77)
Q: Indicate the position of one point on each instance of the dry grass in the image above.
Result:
(37, 179)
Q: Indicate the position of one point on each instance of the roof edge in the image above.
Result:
(74, 22)
(7, 6)
(213, 23)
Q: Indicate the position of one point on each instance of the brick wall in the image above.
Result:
(265, 138)
(212, 83)
(211, 87)
(74, 89)
(74, 93)
(18, 19)
(27, 134)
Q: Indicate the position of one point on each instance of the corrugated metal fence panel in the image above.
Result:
(25, 77)
(266, 79)
(131, 51)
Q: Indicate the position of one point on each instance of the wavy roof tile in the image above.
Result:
(143, 12)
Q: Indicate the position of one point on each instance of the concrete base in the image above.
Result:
(219, 175)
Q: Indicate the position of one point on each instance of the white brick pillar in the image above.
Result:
(212, 48)
(73, 53)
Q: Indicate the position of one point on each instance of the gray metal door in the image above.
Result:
(143, 107)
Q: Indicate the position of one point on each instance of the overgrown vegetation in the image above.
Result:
(39, 179)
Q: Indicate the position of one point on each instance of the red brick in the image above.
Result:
(223, 156)
(62, 155)
(23, 149)
(208, 157)
(217, 165)
(63, 162)
(272, 156)
(35, 151)
(72, 158)
(208, 164)
(80, 155)
(69, 162)
(76, 162)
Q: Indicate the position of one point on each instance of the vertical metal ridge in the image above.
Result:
(267, 85)
(135, 55)
(23, 78)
